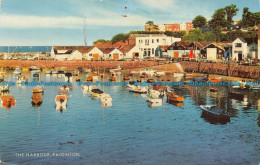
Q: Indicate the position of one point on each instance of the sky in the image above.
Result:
(61, 22)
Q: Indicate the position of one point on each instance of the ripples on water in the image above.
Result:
(130, 132)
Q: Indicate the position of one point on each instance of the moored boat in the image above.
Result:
(215, 79)
(173, 97)
(38, 89)
(7, 100)
(112, 78)
(213, 89)
(178, 74)
(215, 112)
(75, 73)
(150, 80)
(4, 88)
(139, 89)
(36, 98)
(126, 78)
(17, 71)
(48, 72)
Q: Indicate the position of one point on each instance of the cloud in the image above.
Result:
(160, 5)
(69, 22)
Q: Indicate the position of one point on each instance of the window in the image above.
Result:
(152, 50)
(147, 42)
(152, 41)
(238, 45)
(149, 52)
(145, 53)
(90, 54)
(157, 40)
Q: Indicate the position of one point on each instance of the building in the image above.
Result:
(147, 43)
(155, 28)
(239, 49)
(178, 49)
(111, 54)
(172, 27)
(66, 53)
(258, 52)
(91, 53)
(197, 47)
(131, 52)
(161, 51)
(189, 26)
(213, 51)
(251, 47)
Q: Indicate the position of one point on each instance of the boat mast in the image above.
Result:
(85, 33)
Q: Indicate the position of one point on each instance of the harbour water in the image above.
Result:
(129, 132)
(24, 49)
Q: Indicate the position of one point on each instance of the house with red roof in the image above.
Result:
(111, 54)
(131, 52)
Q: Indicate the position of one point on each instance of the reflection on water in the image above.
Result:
(130, 131)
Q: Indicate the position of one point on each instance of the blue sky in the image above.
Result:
(60, 22)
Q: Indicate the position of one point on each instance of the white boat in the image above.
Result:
(97, 93)
(36, 71)
(4, 88)
(147, 71)
(106, 98)
(139, 89)
(106, 104)
(34, 68)
(38, 89)
(87, 71)
(178, 74)
(54, 72)
(17, 71)
(61, 100)
(118, 69)
(86, 88)
(48, 72)
(154, 96)
(159, 73)
(21, 79)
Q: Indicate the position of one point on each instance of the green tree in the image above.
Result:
(218, 19)
(149, 23)
(101, 40)
(250, 19)
(119, 37)
(199, 21)
(245, 17)
(194, 35)
(231, 11)
(209, 36)
(178, 34)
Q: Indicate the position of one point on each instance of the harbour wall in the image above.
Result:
(252, 72)
(78, 64)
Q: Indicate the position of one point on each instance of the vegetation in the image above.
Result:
(101, 40)
(119, 37)
(231, 11)
(199, 21)
(179, 34)
(250, 19)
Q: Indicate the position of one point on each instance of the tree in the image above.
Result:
(119, 37)
(199, 21)
(149, 23)
(231, 11)
(101, 40)
(245, 17)
(218, 19)
(250, 19)
(209, 36)
(178, 34)
(194, 35)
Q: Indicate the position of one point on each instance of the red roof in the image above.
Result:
(106, 50)
(126, 48)
(164, 47)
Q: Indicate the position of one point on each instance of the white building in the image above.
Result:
(239, 49)
(183, 26)
(161, 27)
(149, 42)
(92, 53)
(131, 51)
(112, 53)
(66, 53)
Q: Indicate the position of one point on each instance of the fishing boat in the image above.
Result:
(87, 71)
(166, 79)
(106, 104)
(118, 69)
(169, 73)
(4, 88)
(150, 80)
(48, 72)
(147, 71)
(86, 88)
(173, 97)
(97, 93)
(61, 73)
(139, 89)
(38, 89)
(154, 96)
(93, 75)
(21, 79)
(36, 99)
(3, 73)
(126, 78)
(139, 80)
(215, 79)
(61, 100)
(54, 72)
(159, 73)
(75, 73)
(17, 71)
(68, 77)
(213, 89)
(2, 78)
(130, 85)
(144, 75)
(189, 75)
(66, 87)
(112, 78)
(34, 68)
(77, 79)
(7, 100)
(89, 78)
(178, 74)
(215, 112)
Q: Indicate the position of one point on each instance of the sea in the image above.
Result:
(131, 131)
(24, 49)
